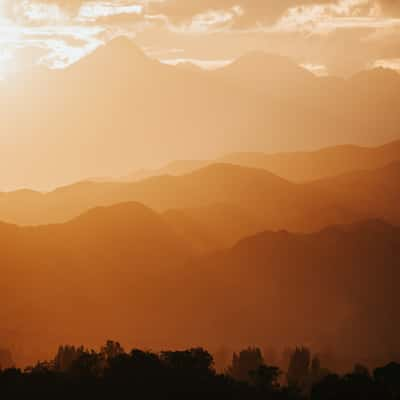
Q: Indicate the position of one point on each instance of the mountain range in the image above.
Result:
(298, 166)
(221, 203)
(244, 239)
(124, 271)
(257, 198)
(126, 110)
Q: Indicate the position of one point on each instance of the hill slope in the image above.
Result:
(325, 289)
(86, 279)
(101, 276)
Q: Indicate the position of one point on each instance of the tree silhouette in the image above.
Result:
(6, 360)
(265, 377)
(389, 377)
(111, 350)
(66, 356)
(246, 361)
(299, 367)
(195, 360)
(112, 373)
(88, 365)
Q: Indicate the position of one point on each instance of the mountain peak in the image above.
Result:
(118, 52)
(124, 212)
(269, 62)
(125, 45)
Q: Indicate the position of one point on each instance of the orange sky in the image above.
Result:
(328, 36)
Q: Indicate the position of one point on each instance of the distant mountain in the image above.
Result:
(374, 192)
(178, 167)
(300, 166)
(117, 109)
(267, 72)
(320, 164)
(246, 200)
(224, 202)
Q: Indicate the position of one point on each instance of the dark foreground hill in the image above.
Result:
(327, 289)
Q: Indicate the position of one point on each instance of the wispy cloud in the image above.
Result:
(325, 18)
(316, 69)
(69, 29)
(94, 10)
(391, 63)
(204, 64)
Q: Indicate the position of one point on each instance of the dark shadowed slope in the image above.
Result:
(101, 275)
(325, 289)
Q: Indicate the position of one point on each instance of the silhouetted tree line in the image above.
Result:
(76, 372)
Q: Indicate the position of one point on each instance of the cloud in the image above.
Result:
(352, 33)
(48, 12)
(210, 21)
(180, 11)
(329, 17)
(204, 64)
(253, 11)
(392, 63)
(94, 11)
(316, 69)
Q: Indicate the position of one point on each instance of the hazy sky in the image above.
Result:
(330, 36)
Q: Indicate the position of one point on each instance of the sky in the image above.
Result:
(337, 37)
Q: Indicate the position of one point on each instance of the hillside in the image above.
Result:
(325, 289)
(87, 278)
(121, 271)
